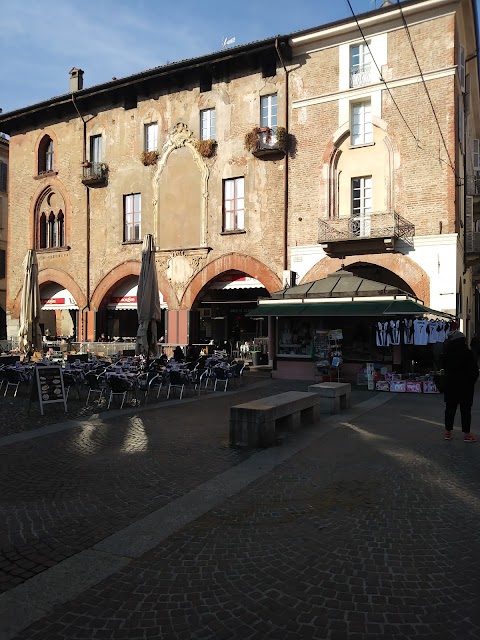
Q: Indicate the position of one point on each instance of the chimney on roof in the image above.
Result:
(76, 80)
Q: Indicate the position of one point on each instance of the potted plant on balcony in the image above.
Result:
(251, 139)
(282, 139)
(206, 148)
(149, 157)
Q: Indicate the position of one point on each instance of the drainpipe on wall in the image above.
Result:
(285, 177)
(84, 159)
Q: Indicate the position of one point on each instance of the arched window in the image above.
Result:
(50, 221)
(42, 232)
(46, 155)
(52, 230)
(60, 229)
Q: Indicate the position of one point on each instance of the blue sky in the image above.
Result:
(41, 41)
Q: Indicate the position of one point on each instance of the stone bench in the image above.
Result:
(253, 424)
(335, 396)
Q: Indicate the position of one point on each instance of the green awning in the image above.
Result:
(276, 310)
(344, 309)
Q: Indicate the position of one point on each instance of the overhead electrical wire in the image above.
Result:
(417, 141)
(424, 83)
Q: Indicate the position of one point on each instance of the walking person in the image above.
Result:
(461, 373)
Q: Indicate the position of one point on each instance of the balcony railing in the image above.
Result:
(383, 224)
(360, 76)
(269, 140)
(94, 173)
(473, 185)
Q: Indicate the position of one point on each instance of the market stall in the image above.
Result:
(344, 322)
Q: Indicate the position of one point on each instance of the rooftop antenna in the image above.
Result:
(227, 41)
(374, 2)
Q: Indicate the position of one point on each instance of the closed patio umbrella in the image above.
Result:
(148, 300)
(30, 307)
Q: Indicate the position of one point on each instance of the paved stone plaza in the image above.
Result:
(146, 524)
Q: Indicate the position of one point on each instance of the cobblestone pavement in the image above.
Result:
(370, 533)
(64, 492)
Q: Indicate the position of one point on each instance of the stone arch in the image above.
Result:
(122, 271)
(402, 265)
(230, 262)
(333, 153)
(60, 277)
(53, 184)
(181, 136)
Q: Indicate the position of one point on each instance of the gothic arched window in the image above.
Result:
(50, 221)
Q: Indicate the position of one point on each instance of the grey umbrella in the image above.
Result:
(148, 300)
(30, 307)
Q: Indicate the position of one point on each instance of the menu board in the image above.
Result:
(48, 387)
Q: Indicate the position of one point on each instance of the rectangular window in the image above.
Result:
(151, 136)
(207, 124)
(361, 205)
(132, 217)
(360, 65)
(3, 176)
(361, 123)
(268, 111)
(233, 204)
(96, 149)
(2, 263)
(476, 154)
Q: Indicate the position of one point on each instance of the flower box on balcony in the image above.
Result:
(266, 141)
(95, 173)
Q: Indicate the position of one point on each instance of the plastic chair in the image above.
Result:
(149, 380)
(118, 387)
(176, 381)
(69, 380)
(95, 385)
(199, 376)
(222, 377)
(237, 371)
(13, 379)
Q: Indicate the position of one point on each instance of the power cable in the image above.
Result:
(424, 83)
(380, 73)
(417, 141)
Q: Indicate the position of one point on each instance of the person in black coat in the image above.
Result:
(461, 373)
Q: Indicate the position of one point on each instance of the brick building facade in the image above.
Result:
(383, 124)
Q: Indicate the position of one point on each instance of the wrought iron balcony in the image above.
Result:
(473, 185)
(360, 76)
(270, 141)
(344, 236)
(95, 173)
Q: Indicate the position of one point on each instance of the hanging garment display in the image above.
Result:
(381, 333)
(441, 330)
(432, 331)
(393, 337)
(407, 331)
(420, 332)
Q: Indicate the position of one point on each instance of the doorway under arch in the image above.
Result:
(220, 308)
